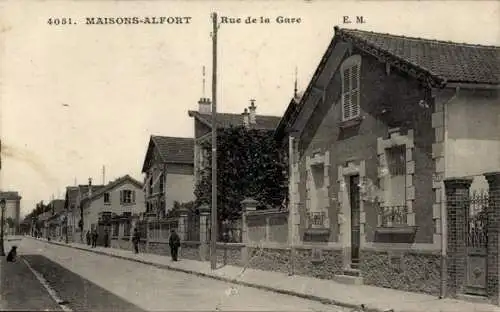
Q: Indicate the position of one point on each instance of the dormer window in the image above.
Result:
(350, 72)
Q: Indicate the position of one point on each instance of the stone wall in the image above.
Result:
(270, 259)
(121, 243)
(407, 271)
(190, 250)
(329, 265)
(230, 254)
(159, 248)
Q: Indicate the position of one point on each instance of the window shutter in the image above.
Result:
(346, 88)
(354, 88)
(133, 196)
(121, 197)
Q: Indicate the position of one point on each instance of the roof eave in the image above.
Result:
(471, 85)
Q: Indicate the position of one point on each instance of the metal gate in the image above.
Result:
(477, 243)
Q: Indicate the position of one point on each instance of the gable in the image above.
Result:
(149, 158)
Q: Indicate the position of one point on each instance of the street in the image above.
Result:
(82, 280)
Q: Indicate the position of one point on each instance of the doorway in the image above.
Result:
(355, 220)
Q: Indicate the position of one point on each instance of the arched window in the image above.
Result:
(350, 72)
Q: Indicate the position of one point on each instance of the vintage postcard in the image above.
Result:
(250, 155)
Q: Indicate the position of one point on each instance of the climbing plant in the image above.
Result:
(249, 164)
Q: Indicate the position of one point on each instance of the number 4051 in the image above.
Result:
(60, 21)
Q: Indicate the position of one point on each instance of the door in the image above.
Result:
(355, 228)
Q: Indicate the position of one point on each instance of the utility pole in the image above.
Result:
(213, 236)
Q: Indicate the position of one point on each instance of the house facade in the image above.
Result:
(384, 121)
(169, 174)
(12, 211)
(121, 196)
(73, 203)
(203, 127)
(56, 221)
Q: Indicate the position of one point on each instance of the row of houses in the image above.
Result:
(385, 144)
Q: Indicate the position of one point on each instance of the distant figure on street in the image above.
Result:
(174, 243)
(11, 257)
(135, 240)
(88, 238)
(94, 238)
(106, 238)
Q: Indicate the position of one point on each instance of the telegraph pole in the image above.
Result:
(213, 236)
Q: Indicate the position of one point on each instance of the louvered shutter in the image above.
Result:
(354, 90)
(346, 93)
(133, 196)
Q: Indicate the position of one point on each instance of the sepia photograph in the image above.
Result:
(287, 155)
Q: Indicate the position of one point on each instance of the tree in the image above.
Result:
(250, 163)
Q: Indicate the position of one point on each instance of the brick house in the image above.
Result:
(169, 173)
(203, 127)
(383, 122)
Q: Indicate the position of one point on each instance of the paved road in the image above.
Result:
(89, 281)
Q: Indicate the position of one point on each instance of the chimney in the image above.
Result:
(246, 120)
(204, 106)
(252, 109)
(90, 187)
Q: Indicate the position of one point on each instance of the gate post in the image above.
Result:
(204, 232)
(493, 273)
(457, 195)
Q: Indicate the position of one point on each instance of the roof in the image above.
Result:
(9, 195)
(433, 62)
(226, 120)
(114, 184)
(445, 60)
(71, 194)
(174, 150)
(84, 189)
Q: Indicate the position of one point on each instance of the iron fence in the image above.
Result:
(316, 219)
(477, 203)
(393, 215)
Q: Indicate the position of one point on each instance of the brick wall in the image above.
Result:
(400, 97)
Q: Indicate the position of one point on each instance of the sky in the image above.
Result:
(75, 98)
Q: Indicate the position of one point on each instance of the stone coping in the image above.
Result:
(268, 212)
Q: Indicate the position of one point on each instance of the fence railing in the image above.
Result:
(316, 219)
(477, 219)
(390, 216)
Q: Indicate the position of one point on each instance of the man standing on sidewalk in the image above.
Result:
(135, 240)
(94, 238)
(174, 242)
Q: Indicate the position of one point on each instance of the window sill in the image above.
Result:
(350, 122)
(397, 229)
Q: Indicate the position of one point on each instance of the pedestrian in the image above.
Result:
(135, 240)
(94, 238)
(106, 238)
(88, 238)
(174, 243)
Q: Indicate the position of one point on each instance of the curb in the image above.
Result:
(235, 281)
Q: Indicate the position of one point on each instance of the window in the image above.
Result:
(350, 72)
(396, 163)
(162, 177)
(150, 188)
(127, 197)
(126, 230)
(106, 198)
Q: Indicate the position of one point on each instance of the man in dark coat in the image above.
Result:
(88, 238)
(174, 243)
(94, 238)
(135, 240)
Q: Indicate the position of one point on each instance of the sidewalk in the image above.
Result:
(352, 296)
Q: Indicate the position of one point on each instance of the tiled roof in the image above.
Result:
(174, 149)
(450, 61)
(225, 120)
(114, 184)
